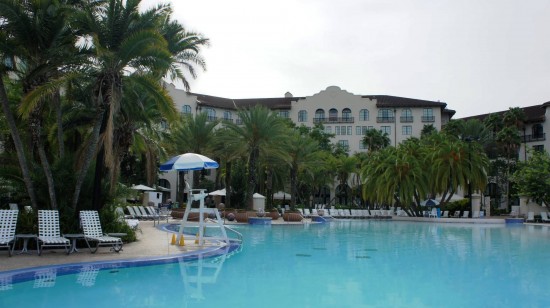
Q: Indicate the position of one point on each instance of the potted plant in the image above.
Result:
(241, 215)
(273, 213)
(292, 215)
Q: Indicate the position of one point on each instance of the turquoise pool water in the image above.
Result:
(340, 264)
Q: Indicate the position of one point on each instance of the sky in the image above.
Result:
(478, 56)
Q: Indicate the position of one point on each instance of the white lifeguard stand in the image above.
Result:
(199, 195)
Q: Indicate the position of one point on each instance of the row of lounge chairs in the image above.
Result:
(345, 213)
(145, 213)
(49, 234)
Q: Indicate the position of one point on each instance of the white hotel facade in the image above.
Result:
(344, 114)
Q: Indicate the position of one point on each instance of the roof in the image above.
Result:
(533, 114)
(396, 101)
(229, 103)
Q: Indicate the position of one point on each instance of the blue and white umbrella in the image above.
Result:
(189, 161)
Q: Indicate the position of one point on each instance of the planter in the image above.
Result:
(241, 216)
(292, 216)
(273, 214)
(178, 214)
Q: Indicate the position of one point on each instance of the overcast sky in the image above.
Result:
(478, 56)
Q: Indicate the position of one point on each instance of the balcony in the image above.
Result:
(331, 120)
(227, 120)
(406, 119)
(533, 138)
(211, 118)
(385, 119)
(428, 119)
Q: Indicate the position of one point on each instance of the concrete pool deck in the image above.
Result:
(153, 242)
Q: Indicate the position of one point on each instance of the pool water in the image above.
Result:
(339, 264)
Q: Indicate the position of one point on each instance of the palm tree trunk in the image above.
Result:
(251, 178)
(293, 186)
(227, 184)
(91, 151)
(59, 119)
(18, 145)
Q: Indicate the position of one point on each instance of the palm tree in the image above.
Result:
(375, 140)
(260, 130)
(344, 166)
(194, 134)
(123, 45)
(303, 155)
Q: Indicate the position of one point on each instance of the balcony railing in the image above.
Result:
(385, 119)
(406, 119)
(227, 120)
(428, 118)
(533, 138)
(334, 120)
(211, 118)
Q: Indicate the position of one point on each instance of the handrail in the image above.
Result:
(239, 235)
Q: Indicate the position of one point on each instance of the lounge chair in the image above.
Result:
(91, 226)
(49, 234)
(131, 222)
(465, 214)
(475, 214)
(530, 217)
(544, 217)
(144, 212)
(445, 214)
(8, 221)
(456, 214)
(433, 213)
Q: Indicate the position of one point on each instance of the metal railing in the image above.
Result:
(532, 138)
(428, 118)
(385, 119)
(334, 120)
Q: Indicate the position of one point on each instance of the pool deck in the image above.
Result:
(153, 242)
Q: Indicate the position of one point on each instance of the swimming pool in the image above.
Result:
(339, 264)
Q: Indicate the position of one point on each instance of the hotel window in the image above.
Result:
(406, 130)
(344, 144)
(406, 116)
(238, 121)
(328, 129)
(333, 115)
(319, 116)
(186, 109)
(539, 148)
(227, 116)
(362, 145)
(350, 130)
(386, 129)
(363, 115)
(211, 114)
(302, 116)
(346, 115)
(385, 116)
(337, 130)
(284, 114)
(428, 115)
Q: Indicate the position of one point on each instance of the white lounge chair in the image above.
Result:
(475, 214)
(544, 217)
(91, 226)
(456, 214)
(8, 222)
(131, 222)
(49, 234)
(530, 217)
(445, 214)
(433, 213)
(465, 214)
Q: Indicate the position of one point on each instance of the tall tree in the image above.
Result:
(375, 140)
(260, 128)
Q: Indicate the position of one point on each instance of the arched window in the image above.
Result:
(363, 115)
(211, 114)
(227, 116)
(406, 115)
(346, 115)
(333, 115)
(186, 109)
(302, 116)
(319, 116)
(385, 116)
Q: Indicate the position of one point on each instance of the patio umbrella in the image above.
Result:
(142, 187)
(281, 195)
(220, 192)
(429, 202)
(189, 161)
